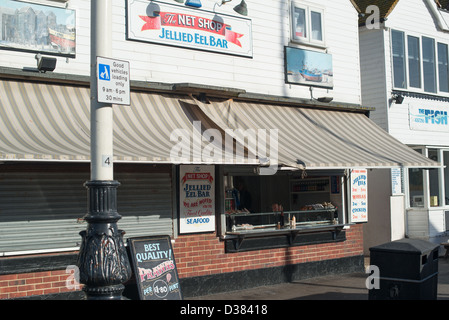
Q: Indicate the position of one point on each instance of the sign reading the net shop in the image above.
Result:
(168, 24)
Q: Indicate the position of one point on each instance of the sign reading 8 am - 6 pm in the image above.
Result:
(181, 26)
(113, 81)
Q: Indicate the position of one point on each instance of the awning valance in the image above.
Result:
(318, 139)
(42, 122)
(49, 122)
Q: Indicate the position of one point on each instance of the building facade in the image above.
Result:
(245, 140)
(404, 76)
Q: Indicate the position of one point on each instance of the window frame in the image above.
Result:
(404, 60)
(444, 65)
(436, 64)
(419, 61)
(441, 184)
(308, 10)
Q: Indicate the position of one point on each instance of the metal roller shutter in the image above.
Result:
(42, 211)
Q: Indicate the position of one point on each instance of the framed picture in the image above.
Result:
(39, 28)
(308, 67)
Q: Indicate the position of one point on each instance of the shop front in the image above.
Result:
(251, 191)
(295, 209)
(427, 190)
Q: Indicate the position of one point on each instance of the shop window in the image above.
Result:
(419, 63)
(446, 176)
(416, 187)
(434, 180)
(414, 62)
(267, 203)
(398, 48)
(428, 53)
(443, 67)
(307, 24)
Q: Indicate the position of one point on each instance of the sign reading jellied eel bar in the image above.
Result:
(181, 26)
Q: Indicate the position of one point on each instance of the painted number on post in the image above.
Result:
(107, 161)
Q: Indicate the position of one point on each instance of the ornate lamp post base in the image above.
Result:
(103, 261)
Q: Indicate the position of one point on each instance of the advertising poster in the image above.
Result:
(197, 198)
(308, 67)
(359, 196)
(176, 25)
(31, 27)
(155, 268)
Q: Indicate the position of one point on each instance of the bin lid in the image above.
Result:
(406, 245)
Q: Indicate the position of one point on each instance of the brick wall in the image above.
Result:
(37, 283)
(203, 254)
(196, 255)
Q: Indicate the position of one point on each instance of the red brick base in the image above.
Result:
(203, 254)
(196, 255)
(37, 283)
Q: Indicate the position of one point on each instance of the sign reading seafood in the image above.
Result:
(155, 268)
(197, 198)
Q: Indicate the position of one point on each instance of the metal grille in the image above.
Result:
(43, 211)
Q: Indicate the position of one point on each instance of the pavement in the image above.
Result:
(351, 286)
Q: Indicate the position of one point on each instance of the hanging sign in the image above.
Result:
(197, 198)
(155, 268)
(359, 196)
(181, 26)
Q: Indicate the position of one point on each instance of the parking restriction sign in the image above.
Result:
(113, 81)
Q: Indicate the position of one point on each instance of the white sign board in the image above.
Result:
(359, 196)
(428, 117)
(396, 181)
(182, 26)
(197, 198)
(113, 81)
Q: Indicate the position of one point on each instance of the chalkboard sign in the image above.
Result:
(155, 268)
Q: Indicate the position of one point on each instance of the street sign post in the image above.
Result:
(113, 81)
(102, 260)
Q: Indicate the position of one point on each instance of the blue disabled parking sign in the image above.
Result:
(104, 71)
(113, 81)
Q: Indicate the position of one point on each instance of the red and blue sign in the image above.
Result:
(191, 28)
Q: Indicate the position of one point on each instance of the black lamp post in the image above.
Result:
(102, 261)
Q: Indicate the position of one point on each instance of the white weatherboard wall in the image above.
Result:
(264, 73)
(413, 17)
(404, 18)
(373, 74)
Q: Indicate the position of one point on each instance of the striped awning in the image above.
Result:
(317, 139)
(40, 122)
(52, 122)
